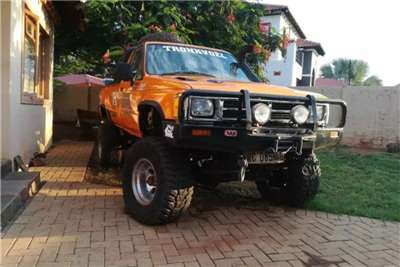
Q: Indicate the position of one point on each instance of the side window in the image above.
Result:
(136, 59)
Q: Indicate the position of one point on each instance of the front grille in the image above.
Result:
(280, 109)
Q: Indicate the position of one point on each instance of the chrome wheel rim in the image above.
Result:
(144, 181)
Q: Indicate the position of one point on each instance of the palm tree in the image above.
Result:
(352, 71)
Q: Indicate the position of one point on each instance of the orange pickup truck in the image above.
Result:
(187, 115)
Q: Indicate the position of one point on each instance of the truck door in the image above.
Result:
(130, 94)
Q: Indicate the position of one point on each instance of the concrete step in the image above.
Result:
(6, 167)
(16, 189)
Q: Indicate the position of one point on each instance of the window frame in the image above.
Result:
(136, 60)
(44, 65)
(41, 89)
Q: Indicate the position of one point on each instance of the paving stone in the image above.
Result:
(74, 223)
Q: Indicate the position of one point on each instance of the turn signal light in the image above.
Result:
(201, 132)
(334, 134)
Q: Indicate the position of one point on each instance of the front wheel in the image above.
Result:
(304, 180)
(294, 186)
(157, 186)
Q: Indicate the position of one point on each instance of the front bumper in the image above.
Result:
(242, 136)
(221, 139)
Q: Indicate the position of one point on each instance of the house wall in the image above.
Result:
(373, 118)
(310, 63)
(26, 129)
(4, 74)
(279, 23)
(288, 68)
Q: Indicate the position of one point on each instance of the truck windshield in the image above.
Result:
(163, 59)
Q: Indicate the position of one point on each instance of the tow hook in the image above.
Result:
(243, 164)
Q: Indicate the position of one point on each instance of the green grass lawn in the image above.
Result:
(359, 184)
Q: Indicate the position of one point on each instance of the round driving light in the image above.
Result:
(261, 113)
(300, 114)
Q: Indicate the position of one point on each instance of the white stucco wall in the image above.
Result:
(289, 69)
(279, 23)
(4, 74)
(373, 116)
(27, 128)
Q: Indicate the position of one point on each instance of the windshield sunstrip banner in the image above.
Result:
(192, 50)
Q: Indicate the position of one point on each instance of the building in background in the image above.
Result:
(326, 82)
(27, 38)
(299, 66)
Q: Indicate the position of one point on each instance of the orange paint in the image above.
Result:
(165, 90)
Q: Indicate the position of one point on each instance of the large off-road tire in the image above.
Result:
(294, 186)
(107, 137)
(303, 180)
(157, 184)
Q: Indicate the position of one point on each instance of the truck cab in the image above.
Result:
(188, 115)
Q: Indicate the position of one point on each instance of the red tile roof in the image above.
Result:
(310, 44)
(279, 9)
(322, 82)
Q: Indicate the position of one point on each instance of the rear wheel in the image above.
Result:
(157, 185)
(107, 137)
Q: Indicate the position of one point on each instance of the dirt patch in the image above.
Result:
(98, 175)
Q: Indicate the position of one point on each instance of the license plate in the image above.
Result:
(265, 158)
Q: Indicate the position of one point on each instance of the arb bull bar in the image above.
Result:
(249, 136)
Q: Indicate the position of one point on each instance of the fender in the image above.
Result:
(154, 105)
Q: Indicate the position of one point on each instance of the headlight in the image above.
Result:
(261, 113)
(201, 107)
(300, 114)
(322, 114)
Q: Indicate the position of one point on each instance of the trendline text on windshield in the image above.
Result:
(192, 50)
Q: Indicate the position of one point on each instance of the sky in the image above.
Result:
(357, 29)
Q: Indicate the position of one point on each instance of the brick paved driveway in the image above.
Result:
(72, 223)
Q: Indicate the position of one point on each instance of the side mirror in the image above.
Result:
(108, 81)
(123, 72)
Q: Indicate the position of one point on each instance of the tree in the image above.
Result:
(352, 71)
(372, 81)
(231, 25)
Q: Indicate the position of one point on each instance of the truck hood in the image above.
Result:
(209, 83)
